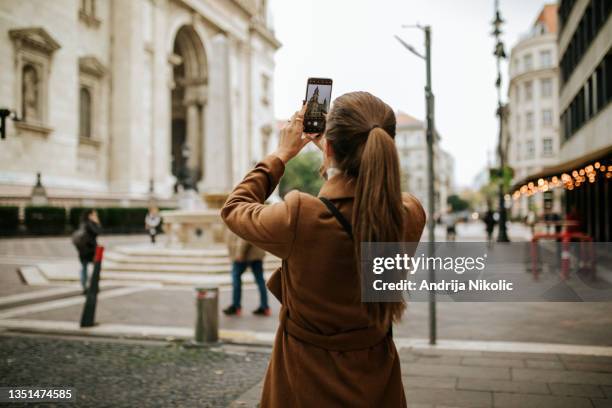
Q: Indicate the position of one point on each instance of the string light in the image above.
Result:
(568, 180)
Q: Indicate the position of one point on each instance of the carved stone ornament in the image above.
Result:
(91, 65)
(35, 37)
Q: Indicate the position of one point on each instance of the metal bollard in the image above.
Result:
(207, 320)
(88, 316)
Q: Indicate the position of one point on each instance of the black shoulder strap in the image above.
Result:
(346, 225)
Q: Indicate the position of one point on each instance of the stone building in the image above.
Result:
(583, 170)
(410, 139)
(114, 98)
(533, 105)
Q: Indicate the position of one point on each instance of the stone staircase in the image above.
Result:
(149, 263)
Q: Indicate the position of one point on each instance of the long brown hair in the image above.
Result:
(361, 131)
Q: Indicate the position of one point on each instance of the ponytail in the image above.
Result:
(368, 154)
(378, 212)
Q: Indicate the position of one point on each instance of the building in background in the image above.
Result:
(584, 166)
(410, 139)
(116, 97)
(533, 106)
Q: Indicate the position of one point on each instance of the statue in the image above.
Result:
(30, 94)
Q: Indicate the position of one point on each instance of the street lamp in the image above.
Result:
(429, 103)
(500, 54)
(6, 113)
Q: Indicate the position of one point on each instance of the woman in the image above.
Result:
(86, 242)
(152, 223)
(331, 349)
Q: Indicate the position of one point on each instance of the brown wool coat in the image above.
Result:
(327, 352)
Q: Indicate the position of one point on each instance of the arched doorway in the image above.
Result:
(188, 96)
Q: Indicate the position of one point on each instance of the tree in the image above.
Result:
(302, 173)
(457, 203)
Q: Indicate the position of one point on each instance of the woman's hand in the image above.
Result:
(291, 141)
(317, 138)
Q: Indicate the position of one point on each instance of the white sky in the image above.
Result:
(351, 41)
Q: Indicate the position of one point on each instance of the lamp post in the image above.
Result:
(500, 54)
(431, 225)
(6, 113)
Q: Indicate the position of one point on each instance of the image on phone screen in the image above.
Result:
(318, 97)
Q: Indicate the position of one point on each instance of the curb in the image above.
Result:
(257, 338)
(125, 331)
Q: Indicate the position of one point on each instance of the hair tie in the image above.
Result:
(372, 128)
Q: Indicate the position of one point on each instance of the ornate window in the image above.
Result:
(529, 150)
(85, 111)
(34, 49)
(545, 59)
(529, 120)
(547, 117)
(547, 147)
(87, 13)
(91, 72)
(546, 87)
(528, 90)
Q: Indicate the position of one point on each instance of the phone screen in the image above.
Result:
(318, 98)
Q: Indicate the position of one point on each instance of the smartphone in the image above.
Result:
(318, 98)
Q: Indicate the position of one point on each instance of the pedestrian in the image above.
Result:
(450, 221)
(530, 220)
(331, 349)
(153, 222)
(85, 239)
(489, 220)
(246, 255)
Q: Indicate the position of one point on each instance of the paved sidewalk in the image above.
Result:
(174, 307)
(497, 379)
(474, 379)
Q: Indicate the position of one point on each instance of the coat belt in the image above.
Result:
(353, 340)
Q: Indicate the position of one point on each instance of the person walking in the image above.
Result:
(489, 220)
(244, 255)
(152, 223)
(450, 221)
(85, 239)
(331, 349)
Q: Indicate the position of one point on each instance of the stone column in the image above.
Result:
(193, 135)
(128, 171)
(218, 145)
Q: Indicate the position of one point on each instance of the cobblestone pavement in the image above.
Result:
(129, 375)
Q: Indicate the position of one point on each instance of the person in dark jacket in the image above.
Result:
(489, 220)
(86, 242)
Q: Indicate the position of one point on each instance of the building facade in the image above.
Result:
(411, 142)
(584, 167)
(533, 106)
(115, 98)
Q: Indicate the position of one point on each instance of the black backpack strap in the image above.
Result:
(346, 225)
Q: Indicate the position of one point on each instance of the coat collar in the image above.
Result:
(339, 186)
